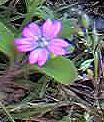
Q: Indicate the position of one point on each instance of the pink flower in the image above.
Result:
(41, 41)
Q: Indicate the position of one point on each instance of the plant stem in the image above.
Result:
(96, 65)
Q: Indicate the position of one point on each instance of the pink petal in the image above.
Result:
(42, 57)
(59, 42)
(51, 29)
(25, 48)
(56, 50)
(24, 41)
(34, 29)
(57, 26)
(47, 26)
(26, 32)
(33, 58)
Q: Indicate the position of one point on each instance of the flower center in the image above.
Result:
(43, 42)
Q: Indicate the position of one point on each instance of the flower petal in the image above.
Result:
(47, 26)
(57, 27)
(33, 58)
(51, 29)
(26, 32)
(56, 50)
(25, 48)
(25, 41)
(59, 42)
(43, 55)
(34, 29)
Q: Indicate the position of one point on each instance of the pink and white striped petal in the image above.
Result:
(25, 48)
(51, 29)
(46, 28)
(56, 50)
(57, 27)
(24, 41)
(26, 32)
(33, 58)
(34, 29)
(59, 42)
(43, 55)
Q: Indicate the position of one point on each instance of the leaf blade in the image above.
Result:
(61, 69)
(6, 40)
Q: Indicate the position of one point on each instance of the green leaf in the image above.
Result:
(65, 119)
(86, 64)
(67, 28)
(44, 12)
(33, 4)
(3, 1)
(71, 48)
(61, 69)
(6, 40)
(85, 21)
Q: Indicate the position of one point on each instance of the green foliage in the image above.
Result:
(3, 1)
(32, 4)
(61, 69)
(6, 40)
(44, 12)
(95, 38)
(65, 119)
(86, 64)
(85, 21)
(67, 28)
(96, 62)
(71, 48)
(57, 69)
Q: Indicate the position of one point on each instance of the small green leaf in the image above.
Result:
(3, 1)
(70, 48)
(85, 21)
(44, 12)
(61, 69)
(86, 64)
(33, 4)
(67, 28)
(6, 40)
